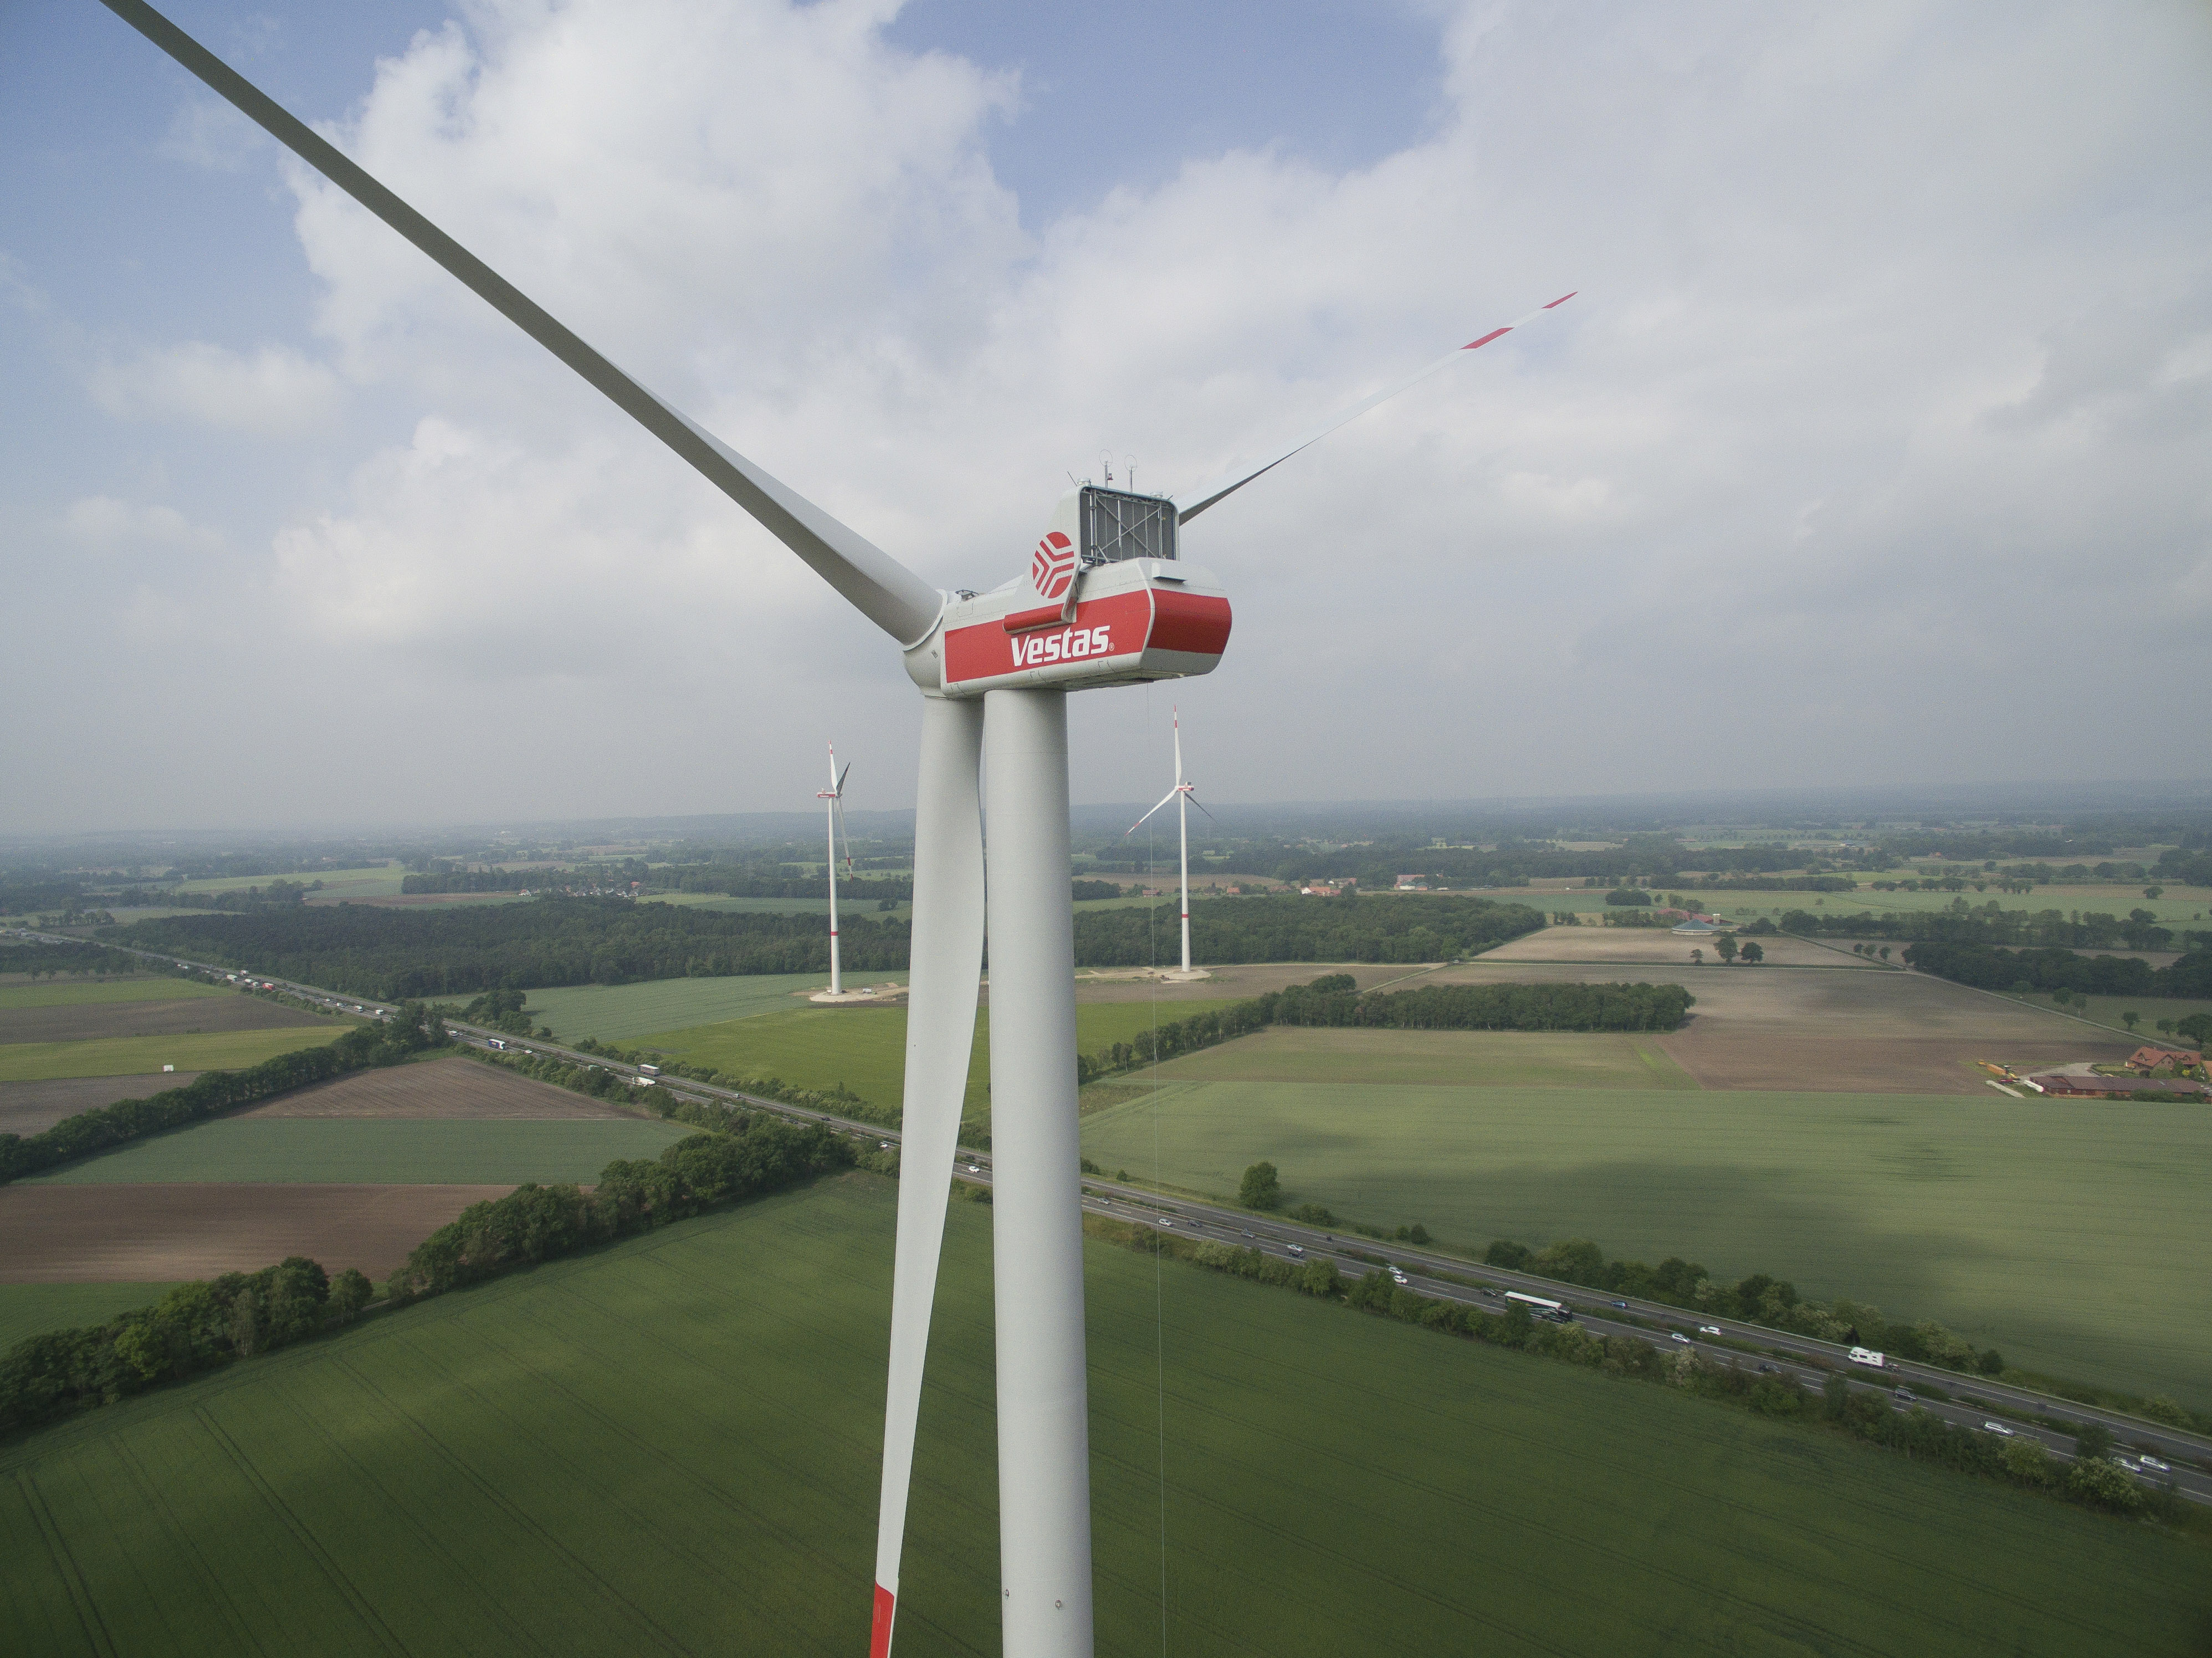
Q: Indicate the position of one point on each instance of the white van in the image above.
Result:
(1872, 1360)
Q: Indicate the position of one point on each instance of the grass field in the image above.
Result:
(864, 1048)
(1485, 1058)
(404, 1151)
(2071, 1239)
(2106, 1011)
(127, 1056)
(619, 1013)
(83, 993)
(672, 1446)
(30, 1309)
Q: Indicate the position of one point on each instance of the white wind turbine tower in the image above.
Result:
(835, 795)
(1184, 800)
(1107, 601)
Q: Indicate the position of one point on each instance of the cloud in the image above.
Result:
(105, 525)
(274, 392)
(1890, 375)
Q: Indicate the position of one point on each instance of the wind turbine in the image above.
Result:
(835, 794)
(1184, 800)
(1107, 601)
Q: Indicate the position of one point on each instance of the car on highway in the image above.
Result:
(884, 1145)
(1709, 1329)
(1397, 1277)
(1622, 1305)
(1248, 1235)
(1298, 1249)
(1770, 1369)
(1676, 1335)
(1998, 1428)
(975, 1168)
(2153, 1464)
(1905, 1396)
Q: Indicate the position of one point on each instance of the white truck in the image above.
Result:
(1869, 1358)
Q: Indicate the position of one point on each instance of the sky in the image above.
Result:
(1872, 450)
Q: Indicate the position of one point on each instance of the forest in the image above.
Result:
(396, 954)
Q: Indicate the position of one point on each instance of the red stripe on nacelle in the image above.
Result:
(879, 1637)
(1197, 623)
(1486, 339)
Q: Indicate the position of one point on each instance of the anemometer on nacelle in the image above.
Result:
(1105, 601)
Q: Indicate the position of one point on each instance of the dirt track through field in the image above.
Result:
(28, 1108)
(133, 1234)
(91, 1021)
(453, 1088)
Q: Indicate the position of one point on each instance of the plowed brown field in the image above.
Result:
(133, 1234)
(437, 1088)
(88, 1021)
(27, 1108)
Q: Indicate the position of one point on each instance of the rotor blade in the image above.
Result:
(1139, 823)
(837, 809)
(837, 783)
(941, 1034)
(877, 586)
(1190, 505)
(1200, 805)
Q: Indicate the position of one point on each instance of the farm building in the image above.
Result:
(2061, 1085)
(2148, 1058)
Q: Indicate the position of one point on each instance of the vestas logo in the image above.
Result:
(1067, 645)
(1053, 567)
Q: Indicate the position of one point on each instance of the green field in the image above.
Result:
(30, 1309)
(2106, 1011)
(864, 1048)
(672, 1446)
(132, 1056)
(378, 1151)
(620, 1013)
(95, 992)
(1485, 1058)
(2071, 1238)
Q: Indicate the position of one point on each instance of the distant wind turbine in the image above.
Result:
(835, 794)
(1184, 800)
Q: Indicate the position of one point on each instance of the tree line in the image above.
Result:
(1988, 968)
(1403, 927)
(1332, 1000)
(410, 1029)
(757, 1153)
(37, 959)
(1992, 925)
(196, 1326)
(396, 953)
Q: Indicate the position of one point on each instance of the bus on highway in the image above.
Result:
(1540, 1307)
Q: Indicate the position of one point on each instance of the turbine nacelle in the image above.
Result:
(1106, 601)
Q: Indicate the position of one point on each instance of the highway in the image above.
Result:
(1971, 1401)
